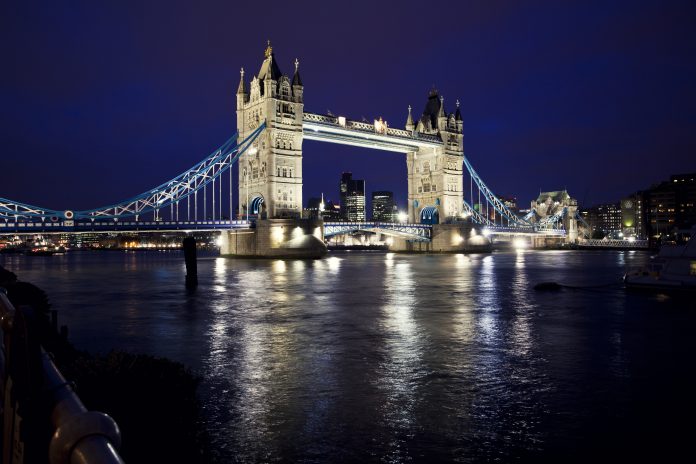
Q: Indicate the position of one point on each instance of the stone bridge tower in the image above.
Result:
(270, 172)
(435, 183)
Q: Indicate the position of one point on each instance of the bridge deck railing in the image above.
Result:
(369, 128)
(613, 243)
(111, 225)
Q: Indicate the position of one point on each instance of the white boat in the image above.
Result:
(673, 268)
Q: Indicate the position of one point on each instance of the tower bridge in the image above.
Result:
(271, 127)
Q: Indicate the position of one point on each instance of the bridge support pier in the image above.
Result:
(544, 241)
(446, 238)
(276, 238)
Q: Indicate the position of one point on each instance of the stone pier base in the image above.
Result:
(276, 238)
(446, 238)
(547, 242)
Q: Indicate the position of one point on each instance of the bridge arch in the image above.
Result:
(257, 205)
(430, 215)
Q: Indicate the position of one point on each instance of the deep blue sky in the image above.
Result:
(103, 100)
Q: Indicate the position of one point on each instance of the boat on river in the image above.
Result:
(674, 268)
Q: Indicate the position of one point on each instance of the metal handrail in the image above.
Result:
(80, 436)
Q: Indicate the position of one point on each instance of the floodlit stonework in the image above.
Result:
(270, 173)
(435, 182)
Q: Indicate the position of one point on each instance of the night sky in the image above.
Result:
(104, 100)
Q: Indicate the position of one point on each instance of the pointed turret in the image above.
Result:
(296, 79)
(441, 115)
(431, 111)
(441, 111)
(297, 88)
(242, 92)
(270, 73)
(458, 119)
(409, 121)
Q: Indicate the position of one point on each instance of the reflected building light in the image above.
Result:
(461, 260)
(278, 266)
(519, 261)
(220, 266)
(298, 265)
(334, 263)
(297, 232)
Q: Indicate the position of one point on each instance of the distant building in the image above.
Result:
(313, 208)
(383, 207)
(633, 216)
(352, 198)
(332, 212)
(605, 219)
(329, 212)
(510, 203)
(669, 206)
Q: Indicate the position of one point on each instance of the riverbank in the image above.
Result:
(152, 399)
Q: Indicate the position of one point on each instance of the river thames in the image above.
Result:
(370, 356)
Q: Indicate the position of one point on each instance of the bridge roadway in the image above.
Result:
(416, 232)
(62, 227)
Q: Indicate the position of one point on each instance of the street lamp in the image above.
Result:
(403, 217)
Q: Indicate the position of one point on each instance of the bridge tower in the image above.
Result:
(435, 182)
(270, 172)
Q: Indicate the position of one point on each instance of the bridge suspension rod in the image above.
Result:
(490, 197)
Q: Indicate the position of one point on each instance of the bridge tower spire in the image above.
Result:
(409, 121)
(270, 172)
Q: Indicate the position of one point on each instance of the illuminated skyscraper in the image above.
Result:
(352, 198)
(383, 207)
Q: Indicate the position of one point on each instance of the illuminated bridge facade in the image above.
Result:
(271, 128)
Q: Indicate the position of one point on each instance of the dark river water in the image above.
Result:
(401, 358)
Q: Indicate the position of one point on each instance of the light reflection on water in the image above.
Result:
(389, 357)
(400, 370)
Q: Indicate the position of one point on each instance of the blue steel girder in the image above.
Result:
(182, 186)
(11, 210)
(553, 221)
(494, 201)
(476, 217)
(172, 191)
(579, 217)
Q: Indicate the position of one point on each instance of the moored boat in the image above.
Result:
(674, 268)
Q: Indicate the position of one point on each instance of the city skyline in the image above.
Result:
(157, 105)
